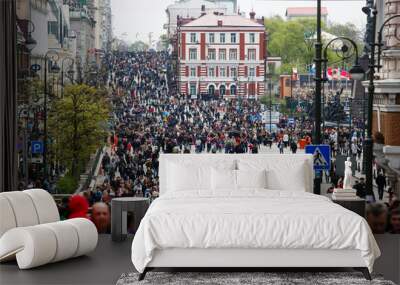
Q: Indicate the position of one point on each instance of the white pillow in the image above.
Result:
(251, 178)
(283, 173)
(278, 179)
(223, 179)
(183, 178)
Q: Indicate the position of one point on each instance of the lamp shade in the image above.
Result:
(357, 72)
(55, 68)
(30, 43)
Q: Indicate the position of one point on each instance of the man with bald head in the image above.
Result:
(101, 217)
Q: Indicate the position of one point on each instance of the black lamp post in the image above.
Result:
(79, 68)
(368, 142)
(25, 170)
(53, 57)
(318, 84)
(30, 42)
(344, 53)
(71, 60)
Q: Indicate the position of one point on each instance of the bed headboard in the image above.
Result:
(213, 159)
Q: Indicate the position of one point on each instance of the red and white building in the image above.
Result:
(221, 55)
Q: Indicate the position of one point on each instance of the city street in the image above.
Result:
(143, 140)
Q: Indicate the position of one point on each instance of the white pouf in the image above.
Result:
(31, 233)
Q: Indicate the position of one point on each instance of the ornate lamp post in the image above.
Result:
(318, 84)
(30, 42)
(344, 53)
(71, 60)
(78, 62)
(53, 57)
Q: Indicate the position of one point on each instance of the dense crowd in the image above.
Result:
(149, 117)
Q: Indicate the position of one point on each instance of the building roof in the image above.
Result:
(211, 20)
(305, 11)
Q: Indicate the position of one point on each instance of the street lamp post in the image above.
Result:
(318, 83)
(53, 56)
(62, 71)
(368, 142)
(25, 143)
(356, 71)
(270, 104)
(79, 68)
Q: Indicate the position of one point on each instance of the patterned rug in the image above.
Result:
(253, 278)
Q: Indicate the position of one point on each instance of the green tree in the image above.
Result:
(164, 41)
(348, 30)
(77, 125)
(294, 41)
(287, 39)
(138, 46)
(265, 100)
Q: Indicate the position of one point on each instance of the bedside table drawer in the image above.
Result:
(356, 206)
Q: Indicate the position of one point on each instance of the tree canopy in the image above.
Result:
(164, 42)
(294, 40)
(138, 46)
(77, 125)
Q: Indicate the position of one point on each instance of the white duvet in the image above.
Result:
(251, 218)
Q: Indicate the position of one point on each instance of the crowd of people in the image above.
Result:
(149, 117)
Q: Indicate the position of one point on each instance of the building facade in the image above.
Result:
(103, 28)
(222, 55)
(189, 9)
(83, 24)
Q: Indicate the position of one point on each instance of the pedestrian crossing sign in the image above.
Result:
(321, 156)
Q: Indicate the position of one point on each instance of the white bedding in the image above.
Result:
(251, 218)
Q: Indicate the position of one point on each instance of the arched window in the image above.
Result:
(233, 89)
(222, 90)
(211, 90)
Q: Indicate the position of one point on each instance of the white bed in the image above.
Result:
(247, 211)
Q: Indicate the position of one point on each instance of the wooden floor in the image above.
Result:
(106, 264)
(103, 266)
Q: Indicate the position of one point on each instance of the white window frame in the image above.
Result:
(252, 38)
(233, 72)
(233, 35)
(231, 51)
(222, 72)
(214, 54)
(190, 89)
(211, 74)
(252, 72)
(211, 35)
(222, 38)
(252, 56)
(193, 51)
(193, 71)
(193, 37)
(221, 52)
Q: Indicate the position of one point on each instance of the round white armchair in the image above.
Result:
(31, 231)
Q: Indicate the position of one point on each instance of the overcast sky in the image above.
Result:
(135, 19)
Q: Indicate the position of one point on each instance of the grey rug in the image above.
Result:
(244, 278)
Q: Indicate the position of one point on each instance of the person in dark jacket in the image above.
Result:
(293, 146)
(360, 188)
(381, 182)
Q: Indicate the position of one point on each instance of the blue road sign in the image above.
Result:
(35, 67)
(322, 156)
(37, 147)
